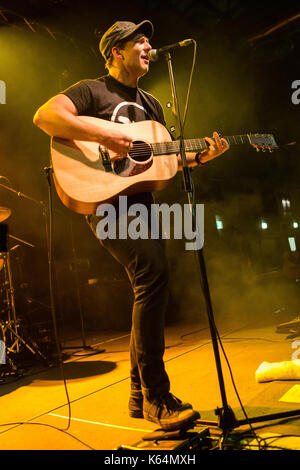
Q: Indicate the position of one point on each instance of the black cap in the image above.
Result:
(121, 30)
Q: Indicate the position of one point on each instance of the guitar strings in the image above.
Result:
(157, 148)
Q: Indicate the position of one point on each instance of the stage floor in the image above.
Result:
(34, 408)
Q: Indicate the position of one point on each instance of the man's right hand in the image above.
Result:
(116, 141)
(59, 117)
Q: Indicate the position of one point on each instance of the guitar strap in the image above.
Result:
(152, 112)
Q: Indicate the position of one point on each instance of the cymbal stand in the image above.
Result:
(10, 327)
(11, 324)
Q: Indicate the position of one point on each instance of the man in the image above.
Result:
(116, 97)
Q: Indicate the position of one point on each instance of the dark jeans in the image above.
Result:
(147, 268)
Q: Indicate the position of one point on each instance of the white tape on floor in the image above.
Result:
(292, 395)
(100, 424)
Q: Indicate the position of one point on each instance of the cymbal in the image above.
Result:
(5, 212)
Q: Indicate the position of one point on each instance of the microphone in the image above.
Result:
(155, 53)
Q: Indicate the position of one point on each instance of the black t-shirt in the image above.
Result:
(106, 98)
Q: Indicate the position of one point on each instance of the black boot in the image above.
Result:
(169, 412)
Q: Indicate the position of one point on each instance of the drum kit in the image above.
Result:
(13, 342)
(21, 338)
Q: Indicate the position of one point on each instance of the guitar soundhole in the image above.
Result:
(140, 151)
(140, 160)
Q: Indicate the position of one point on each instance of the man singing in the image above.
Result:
(116, 97)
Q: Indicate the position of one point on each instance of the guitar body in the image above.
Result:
(84, 178)
(87, 174)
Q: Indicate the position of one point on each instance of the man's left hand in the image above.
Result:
(217, 146)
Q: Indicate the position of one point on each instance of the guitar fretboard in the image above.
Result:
(194, 145)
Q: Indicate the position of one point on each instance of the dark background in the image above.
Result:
(247, 59)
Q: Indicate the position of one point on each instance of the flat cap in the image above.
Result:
(121, 30)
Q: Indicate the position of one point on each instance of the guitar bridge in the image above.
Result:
(105, 158)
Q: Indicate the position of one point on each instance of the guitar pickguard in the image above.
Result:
(141, 158)
(126, 167)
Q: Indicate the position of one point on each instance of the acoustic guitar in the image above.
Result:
(87, 174)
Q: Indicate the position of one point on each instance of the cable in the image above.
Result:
(266, 438)
(190, 84)
(60, 429)
(236, 339)
(235, 388)
(193, 204)
(234, 385)
(193, 332)
(229, 368)
(47, 425)
(271, 446)
(50, 263)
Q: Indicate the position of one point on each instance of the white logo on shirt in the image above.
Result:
(124, 119)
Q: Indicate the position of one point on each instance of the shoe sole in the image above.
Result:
(139, 413)
(169, 426)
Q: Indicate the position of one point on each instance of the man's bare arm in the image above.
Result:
(59, 117)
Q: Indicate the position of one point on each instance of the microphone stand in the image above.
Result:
(226, 419)
(48, 172)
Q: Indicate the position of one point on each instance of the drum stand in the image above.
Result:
(11, 337)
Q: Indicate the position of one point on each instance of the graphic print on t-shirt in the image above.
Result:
(108, 99)
(127, 112)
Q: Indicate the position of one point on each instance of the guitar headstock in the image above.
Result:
(263, 142)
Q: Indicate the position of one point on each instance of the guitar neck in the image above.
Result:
(194, 145)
